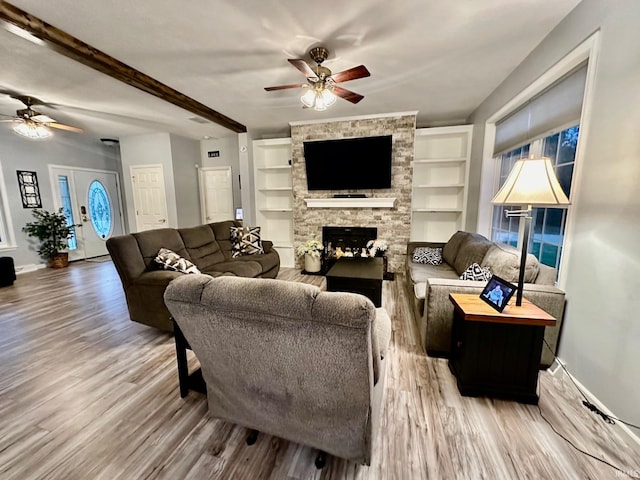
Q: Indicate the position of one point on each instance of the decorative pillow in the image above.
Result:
(476, 272)
(170, 260)
(428, 255)
(245, 241)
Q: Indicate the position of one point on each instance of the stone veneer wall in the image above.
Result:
(393, 224)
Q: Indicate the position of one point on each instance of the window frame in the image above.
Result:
(588, 51)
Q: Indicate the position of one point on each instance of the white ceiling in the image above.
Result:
(441, 58)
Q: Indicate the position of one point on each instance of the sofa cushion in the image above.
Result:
(546, 275)
(477, 273)
(202, 246)
(473, 249)
(427, 255)
(420, 272)
(451, 248)
(504, 261)
(221, 230)
(170, 260)
(241, 269)
(151, 241)
(245, 241)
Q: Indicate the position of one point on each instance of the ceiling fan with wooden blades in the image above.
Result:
(321, 85)
(33, 124)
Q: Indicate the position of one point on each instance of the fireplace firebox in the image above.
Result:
(353, 238)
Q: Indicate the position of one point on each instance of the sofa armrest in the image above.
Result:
(127, 258)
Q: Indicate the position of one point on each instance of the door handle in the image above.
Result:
(162, 220)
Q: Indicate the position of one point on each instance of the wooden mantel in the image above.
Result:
(376, 202)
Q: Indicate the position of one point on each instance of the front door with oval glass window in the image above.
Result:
(99, 210)
(91, 200)
(96, 209)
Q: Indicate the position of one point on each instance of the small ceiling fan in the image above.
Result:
(321, 85)
(30, 123)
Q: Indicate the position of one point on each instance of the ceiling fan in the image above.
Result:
(33, 124)
(321, 87)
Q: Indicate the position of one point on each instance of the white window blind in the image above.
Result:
(555, 107)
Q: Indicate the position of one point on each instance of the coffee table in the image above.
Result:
(358, 275)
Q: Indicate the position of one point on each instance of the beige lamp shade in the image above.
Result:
(533, 182)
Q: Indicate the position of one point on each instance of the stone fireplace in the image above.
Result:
(393, 219)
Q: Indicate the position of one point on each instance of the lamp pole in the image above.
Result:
(526, 214)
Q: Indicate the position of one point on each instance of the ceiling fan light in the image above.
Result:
(32, 131)
(320, 103)
(328, 97)
(309, 98)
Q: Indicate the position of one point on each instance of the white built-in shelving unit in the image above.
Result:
(440, 176)
(274, 195)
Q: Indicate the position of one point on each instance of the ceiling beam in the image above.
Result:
(69, 46)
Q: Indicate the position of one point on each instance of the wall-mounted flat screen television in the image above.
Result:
(349, 164)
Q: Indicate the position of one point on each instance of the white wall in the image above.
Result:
(148, 149)
(178, 157)
(17, 153)
(600, 341)
(185, 155)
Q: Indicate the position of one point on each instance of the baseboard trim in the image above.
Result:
(558, 364)
(30, 267)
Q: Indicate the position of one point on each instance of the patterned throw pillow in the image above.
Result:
(170, 260)
(428, 255)
(476, 272)
(245, 241)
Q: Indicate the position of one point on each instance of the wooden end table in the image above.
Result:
(497, 354)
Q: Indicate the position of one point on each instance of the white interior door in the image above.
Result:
(216, 194)
(91, 199)
(149, 199)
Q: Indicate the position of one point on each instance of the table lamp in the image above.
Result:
(531, 183)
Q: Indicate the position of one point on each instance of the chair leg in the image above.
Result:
(321, 460)
(253, 437)
(181, 357)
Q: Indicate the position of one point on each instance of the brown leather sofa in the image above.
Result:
(207, 246)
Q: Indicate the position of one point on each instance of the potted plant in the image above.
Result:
(53, 232)
(312, 253)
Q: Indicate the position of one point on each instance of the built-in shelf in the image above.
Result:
(274, 195)
(350, 202)
(433, 210)
(440, 175)
(445, 185)
(277, 167)
(439, 160)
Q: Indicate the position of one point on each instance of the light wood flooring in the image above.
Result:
(87, 394)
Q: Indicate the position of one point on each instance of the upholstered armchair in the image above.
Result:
(287, 359)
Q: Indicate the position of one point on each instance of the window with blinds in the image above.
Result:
(547, 125)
